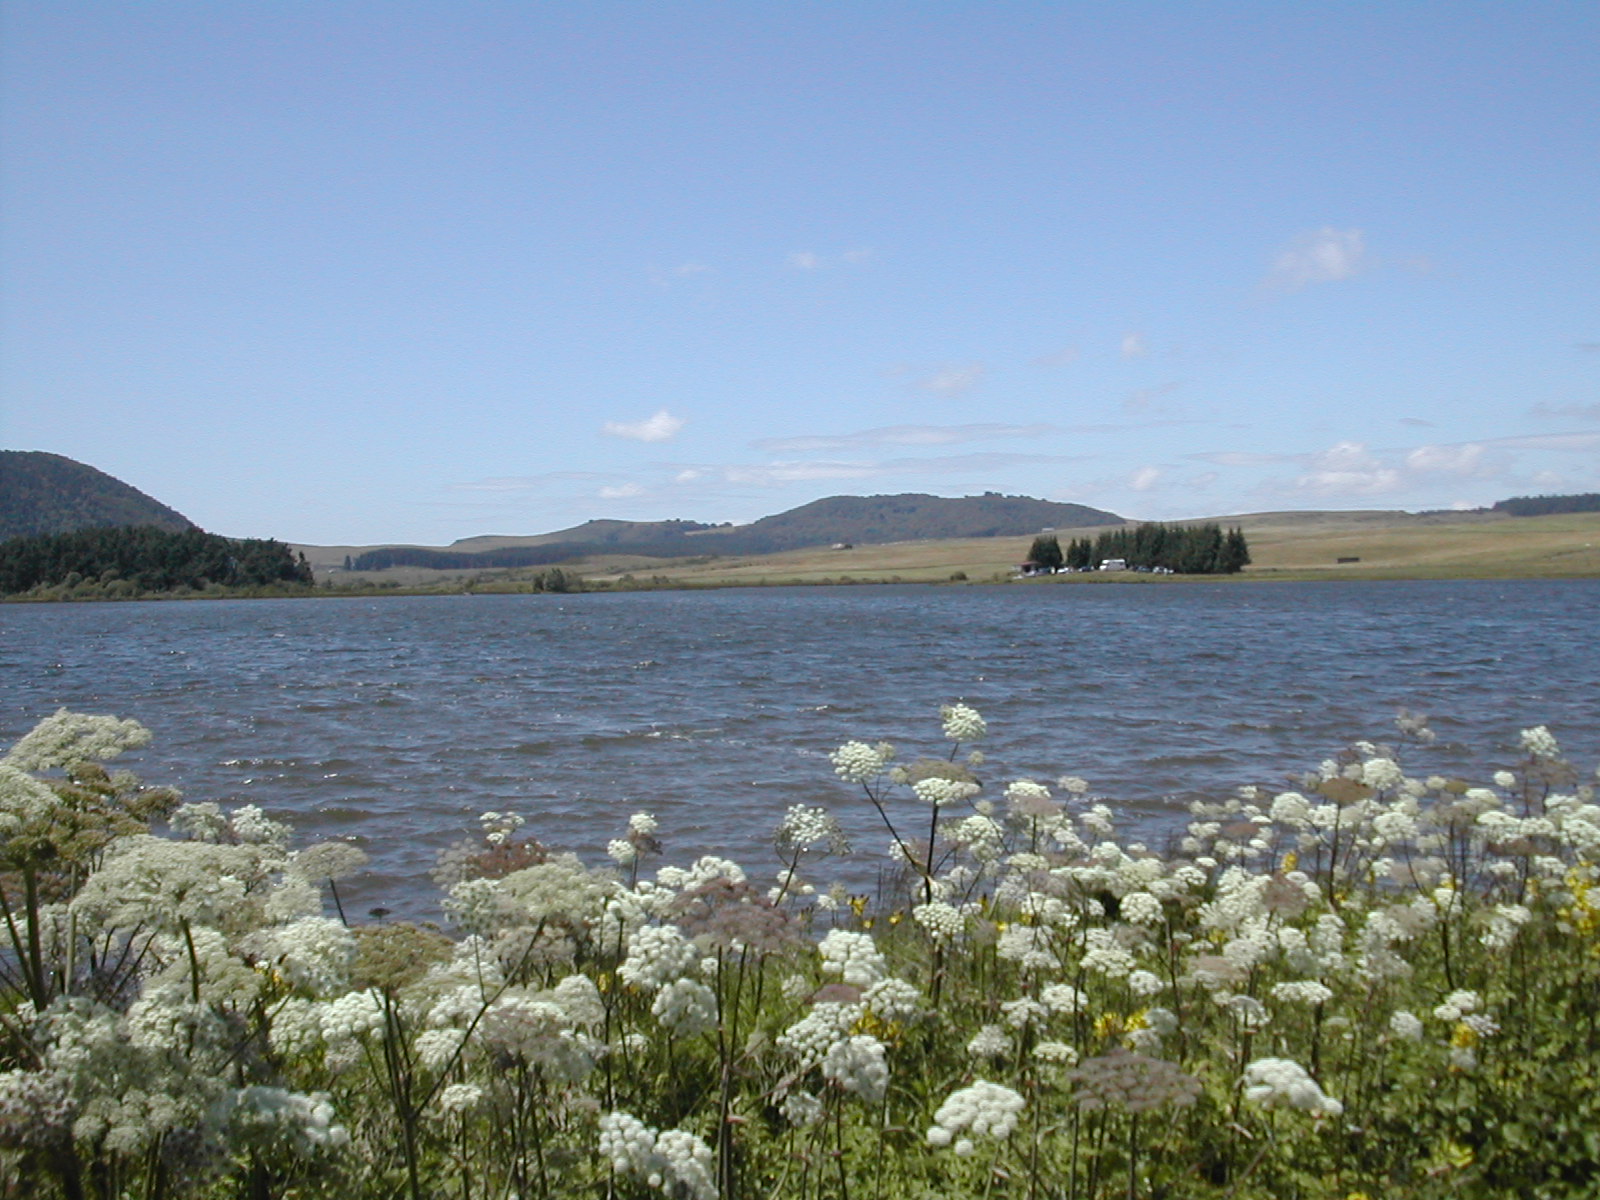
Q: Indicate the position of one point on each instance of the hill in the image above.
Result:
(43, 493)
(863, 520)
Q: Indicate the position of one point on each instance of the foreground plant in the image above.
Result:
(1378, 983)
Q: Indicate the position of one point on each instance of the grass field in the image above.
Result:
(1285, 545)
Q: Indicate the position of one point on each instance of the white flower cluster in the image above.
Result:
(940, 792)
(68, 738)
(944, 922)
(857, 1065)
(962, 723)
(657, 954)
(1539, 742)
(1283, 1083)
(805, 825)
(854, 957)
(857, 762)
(686, 1006)
(982, 1109)
(811, 1037)
(674, 1162)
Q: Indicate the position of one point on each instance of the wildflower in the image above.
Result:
(657, 954)
(1283, 1083)
(1456, 1005)
(1406, 1025)
(675, 1162)
(1302, 991)
(944, 922)
(801, 1109)
(1131, 1081)
(857, 1065)
(1063, 998)
(67, 738)
(1539, 742)
(962, 723)
(854, 957)
(990, 1042)
(686, 1006)
(982, 1108)
(857, 762)
(1057, 1054)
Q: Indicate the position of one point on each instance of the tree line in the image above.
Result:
(1183, 549)
(1538, 506)
(126, 560)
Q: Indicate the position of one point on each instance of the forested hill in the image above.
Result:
(858, 520)
(44, 493)
(915, 517)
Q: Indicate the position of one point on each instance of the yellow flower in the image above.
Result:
(1463, 1036)
(1291, 860)
(1108, 1025)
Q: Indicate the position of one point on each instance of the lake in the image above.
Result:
(394, 721)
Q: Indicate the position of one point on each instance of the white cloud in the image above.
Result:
(953, 380)
(688, 475)
(805, 260)
(1133, 345)
(1348, 469)
(901, 435)
(1144, 478)
(621, 491)
(662, 427)
(1322, 256)
(1465, 459)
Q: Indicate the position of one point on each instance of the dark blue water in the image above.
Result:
(397, 720)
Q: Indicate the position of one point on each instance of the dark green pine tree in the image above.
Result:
(1046, 551)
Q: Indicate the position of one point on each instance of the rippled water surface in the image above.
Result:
(396, 720)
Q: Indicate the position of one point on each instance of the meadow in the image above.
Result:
(1283, 545)
(1382, 983)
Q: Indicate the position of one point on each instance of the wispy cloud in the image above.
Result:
(977, 465)
(1324, 255)
(1565, 412)
(1145, 478)
(514, 484)
(1416, 421)
(953, 380)
(621, 491)
(687, 270)
(662, 427)
(1140, 401)
(810, 260)
(1134, 346)
(901, 435)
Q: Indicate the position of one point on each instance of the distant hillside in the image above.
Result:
(859, 520)
(911, 517)
(44, 493)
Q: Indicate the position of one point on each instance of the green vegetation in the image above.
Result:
(129, 561)
(47, 493)
(1045, 552)
(1538, 506)
(1382, 984)
(1181, 549)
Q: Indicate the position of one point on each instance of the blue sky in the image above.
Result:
(367, 272)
